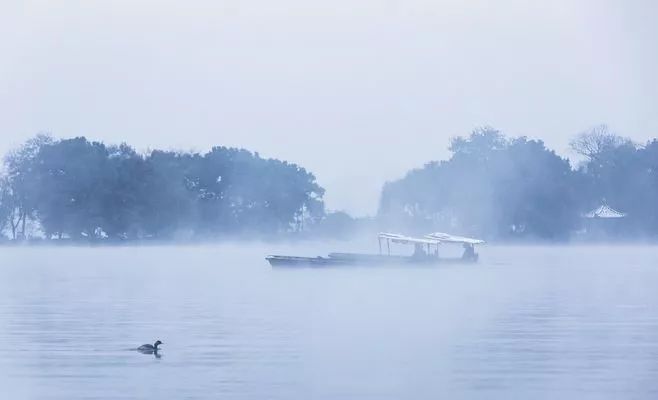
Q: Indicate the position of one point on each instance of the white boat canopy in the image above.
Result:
(435, 238)
(604, 211)
(401, 239)
(447, 238)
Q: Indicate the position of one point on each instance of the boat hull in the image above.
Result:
(355, 259)
(292, 261)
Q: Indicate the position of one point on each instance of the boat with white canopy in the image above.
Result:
(426, 251)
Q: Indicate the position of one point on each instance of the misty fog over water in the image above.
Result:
(542, 322)
(302, 200)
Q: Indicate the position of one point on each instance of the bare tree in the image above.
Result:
(596, 141)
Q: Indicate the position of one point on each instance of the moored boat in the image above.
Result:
(422, 255)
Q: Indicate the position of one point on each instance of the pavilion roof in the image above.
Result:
(604, 211)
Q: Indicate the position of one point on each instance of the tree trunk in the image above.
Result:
(14, 224)
(24, 217)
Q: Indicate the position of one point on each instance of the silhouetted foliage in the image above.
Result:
(502, 188)
(80, 189)
(491, 186)
(21, 191)
(6, 204)
(625, 175)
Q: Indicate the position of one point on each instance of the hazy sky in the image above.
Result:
(357, 91)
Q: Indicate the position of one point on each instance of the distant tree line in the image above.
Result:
(80, 189)
(500, 187)
(491, 186)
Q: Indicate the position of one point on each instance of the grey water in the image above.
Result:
(549, 322)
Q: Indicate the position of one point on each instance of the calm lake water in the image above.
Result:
(527, 322)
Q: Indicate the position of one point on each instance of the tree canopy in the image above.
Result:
(82, 189)
(503, 187)
(492, 186)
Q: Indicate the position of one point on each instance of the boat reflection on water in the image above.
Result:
(426, 252)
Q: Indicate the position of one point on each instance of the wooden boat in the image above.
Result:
(419, 257)
(293, 261)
